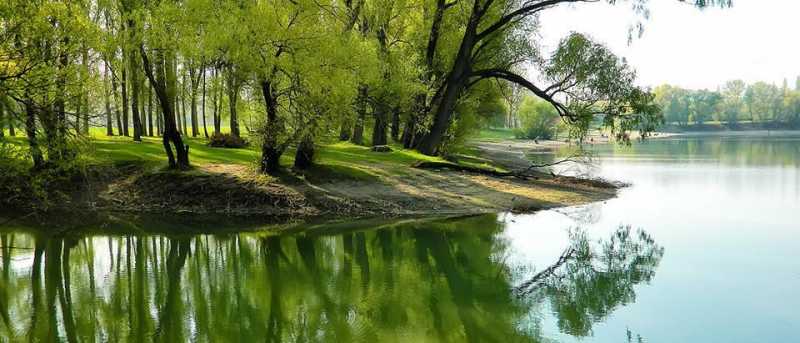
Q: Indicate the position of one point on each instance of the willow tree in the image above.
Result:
(488, 25)
(296, 60)
(159, 60)
(389, 26)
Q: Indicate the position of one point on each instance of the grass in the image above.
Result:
(334, 159)
(495, 134)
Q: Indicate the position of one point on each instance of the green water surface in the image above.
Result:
(703, 247)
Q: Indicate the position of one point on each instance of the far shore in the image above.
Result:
(732, 133)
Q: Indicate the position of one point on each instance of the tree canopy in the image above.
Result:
(293, 72)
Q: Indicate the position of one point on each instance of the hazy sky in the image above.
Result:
(756, 40)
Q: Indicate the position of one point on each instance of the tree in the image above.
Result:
(484, 52)
(538, 120)
(732, 101)
(160, 70)
(514, 94)
(704, 105)
(760, 99)
(675, 103)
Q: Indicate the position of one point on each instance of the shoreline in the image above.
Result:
(237, 191)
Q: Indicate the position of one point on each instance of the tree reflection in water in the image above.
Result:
(420, 281)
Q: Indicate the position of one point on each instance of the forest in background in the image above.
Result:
(734, 104)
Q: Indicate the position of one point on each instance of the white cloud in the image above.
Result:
(756, 40)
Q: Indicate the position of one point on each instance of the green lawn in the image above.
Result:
(333, 160)
(495, 134)
(151, 150)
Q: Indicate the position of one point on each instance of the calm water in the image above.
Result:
(703, 248)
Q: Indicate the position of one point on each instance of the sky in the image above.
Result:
(755, 40)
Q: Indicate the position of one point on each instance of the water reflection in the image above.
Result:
(780, 150)
(587, 283)
(423, 281)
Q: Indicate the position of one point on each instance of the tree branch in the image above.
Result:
(522, 12)
(512, 77)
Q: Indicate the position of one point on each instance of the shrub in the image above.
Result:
(226, 140)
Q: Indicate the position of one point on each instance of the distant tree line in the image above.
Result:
(735, 103)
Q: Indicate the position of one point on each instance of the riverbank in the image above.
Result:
(347, 180)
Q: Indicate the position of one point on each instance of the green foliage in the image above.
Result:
(732, 101)
(736, 102)
(538, 120)
(39, 189)
(599, 86)
(704, 105)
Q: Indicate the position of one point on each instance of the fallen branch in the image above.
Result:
(461, 167)
(522, 173)
(545, 165)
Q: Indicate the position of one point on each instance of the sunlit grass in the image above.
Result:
(495, 134)
(334, 159)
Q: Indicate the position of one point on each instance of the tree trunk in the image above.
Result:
(270, 151)
(380, 110)
(233, 95)
(203, 106)
(379, 129)
(304, 157)
(2, 119)
(58, 141)
(109, 127)
(160, 122)
(143, 88)
(215, 100)
(124, 100)
(30, 130)
(117, 113)
(432, 141)
(182, 104)
(396, 123)
(454, 85)
(149, 110)
(361, 110)
(178, 117)
(164, 84)
(193, 97)
(410, 133)
(85, 97)
(134, 80)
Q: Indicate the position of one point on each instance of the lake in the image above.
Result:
(703, 247)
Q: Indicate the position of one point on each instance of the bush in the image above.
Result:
(538, 120)
(25, 188)
(226, 140)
